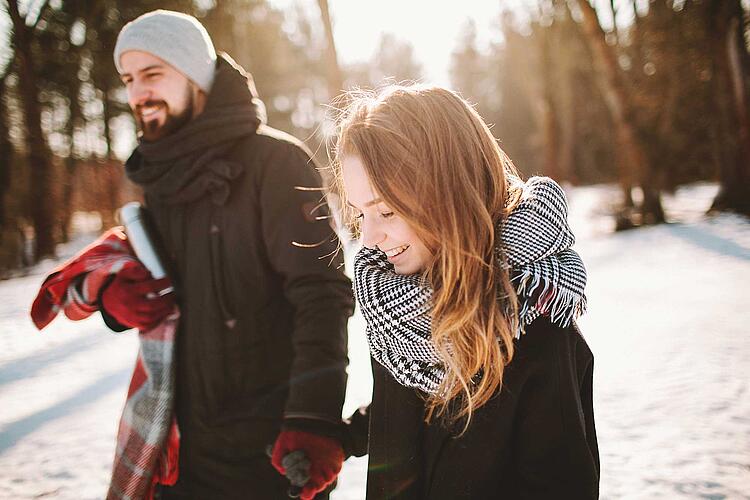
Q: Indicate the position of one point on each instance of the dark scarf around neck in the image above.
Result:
(187, 164)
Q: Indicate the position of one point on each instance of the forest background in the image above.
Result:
(646, 94)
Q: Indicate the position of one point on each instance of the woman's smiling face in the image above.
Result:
(380, 227)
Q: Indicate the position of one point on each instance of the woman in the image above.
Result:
(482, 382)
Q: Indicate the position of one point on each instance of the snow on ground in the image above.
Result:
(668, 323)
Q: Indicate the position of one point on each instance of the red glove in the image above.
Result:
(325, 455)
(131, 298)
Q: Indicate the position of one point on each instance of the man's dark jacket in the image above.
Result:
(536, 440)
(262, 334)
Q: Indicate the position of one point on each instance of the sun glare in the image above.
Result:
(432, 28)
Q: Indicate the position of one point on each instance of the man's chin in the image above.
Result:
(156, 129)
(152, 135)
(153, 131)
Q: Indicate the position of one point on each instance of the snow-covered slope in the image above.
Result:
(668, 323)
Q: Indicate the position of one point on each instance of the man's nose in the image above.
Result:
(138, 94)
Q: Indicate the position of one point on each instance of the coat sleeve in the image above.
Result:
(313, 281)
(555, 447)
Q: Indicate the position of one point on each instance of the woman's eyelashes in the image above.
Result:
(385, 215)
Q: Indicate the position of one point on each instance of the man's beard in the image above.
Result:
(152, 131)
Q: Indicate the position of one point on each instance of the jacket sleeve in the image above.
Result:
(556, 452)
(356, 433)
(313, 281)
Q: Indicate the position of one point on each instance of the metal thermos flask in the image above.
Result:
(133, 217)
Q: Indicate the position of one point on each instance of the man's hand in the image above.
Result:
(325, 456)
(132, 298)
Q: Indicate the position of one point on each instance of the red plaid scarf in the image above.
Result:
(148, 437)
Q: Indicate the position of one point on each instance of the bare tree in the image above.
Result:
(614, 88)
(730, 90)
(334, 76)
(41, 204)
(6, 152)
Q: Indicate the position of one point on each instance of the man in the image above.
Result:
(261, 347)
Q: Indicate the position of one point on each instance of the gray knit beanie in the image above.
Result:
(178, 39)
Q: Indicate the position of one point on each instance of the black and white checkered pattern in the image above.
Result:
(548, 275)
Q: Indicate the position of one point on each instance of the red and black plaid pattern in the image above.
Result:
(148, 437)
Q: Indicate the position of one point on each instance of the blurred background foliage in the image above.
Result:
(652, 105)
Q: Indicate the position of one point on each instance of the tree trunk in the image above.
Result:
(220, 23)
(549, 116)
(66, 207)
(567, 109)
(40, 200)
(730, 90)
(11, 236)
(6, 156)
(333, 70)
(618, 102)
(107, 118)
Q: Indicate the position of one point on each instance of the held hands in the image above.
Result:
(308, 460)
(132, 298)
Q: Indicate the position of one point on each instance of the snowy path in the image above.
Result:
(668, 323)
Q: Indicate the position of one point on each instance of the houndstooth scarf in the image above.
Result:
(534, 243)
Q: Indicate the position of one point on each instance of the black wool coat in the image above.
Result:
(535, 440)
(262, 336)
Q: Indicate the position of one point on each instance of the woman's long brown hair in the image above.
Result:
(433, 160)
